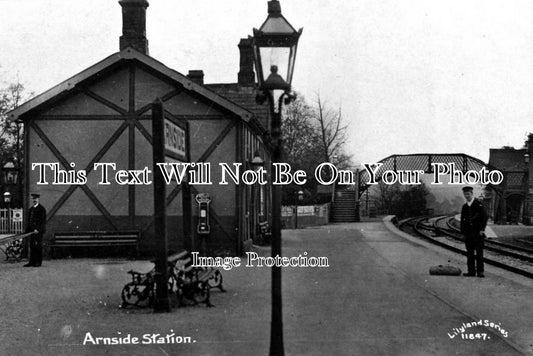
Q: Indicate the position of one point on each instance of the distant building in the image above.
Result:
(511, 199)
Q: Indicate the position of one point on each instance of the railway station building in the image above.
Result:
(103, 115)
(512, 201)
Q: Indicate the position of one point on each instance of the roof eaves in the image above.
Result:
(62, 87)
(129, 53)
(190, 85)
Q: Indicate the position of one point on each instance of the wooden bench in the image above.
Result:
(184, 280)
(266, 233)
(95, 239)
(182, 262)
(140, 292)
(193, 283)
(13, 246)
(179, 260)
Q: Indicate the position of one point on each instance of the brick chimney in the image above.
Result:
(196, 76)
(529, 160)
(528, 206)
(134, 25)
(246, 76)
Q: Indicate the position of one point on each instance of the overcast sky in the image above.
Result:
(412, 76)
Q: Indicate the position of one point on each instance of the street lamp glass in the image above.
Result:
(10, 173)
(257, 162)
(275, 65)
(275, 45)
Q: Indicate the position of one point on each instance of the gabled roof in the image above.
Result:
(129, 53)
(508, 158)
(244, 97)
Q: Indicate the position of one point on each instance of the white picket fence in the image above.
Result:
(11, 221)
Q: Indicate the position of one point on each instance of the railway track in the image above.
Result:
(444, 225)
(511, 247)
(440, 231)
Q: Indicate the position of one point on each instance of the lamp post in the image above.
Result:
(257, 164)
(10, 173)
(367, 213)
(18, 191)
(526, 219)
(299, 197)
(274, 45)
(7, 201)
(10, 176)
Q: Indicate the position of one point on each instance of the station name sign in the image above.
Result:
(175, 140)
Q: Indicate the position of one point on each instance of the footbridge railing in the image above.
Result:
(425, 163)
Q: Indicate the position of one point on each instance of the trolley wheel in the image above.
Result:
(139, 295)
(216, 280)
(172, 285)
(201, 293)
(14, 250)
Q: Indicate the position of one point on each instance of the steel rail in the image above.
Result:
(416, 227)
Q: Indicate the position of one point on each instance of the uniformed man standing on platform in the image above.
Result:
(473, 223)
(37, 225)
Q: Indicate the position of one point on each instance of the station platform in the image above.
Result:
(502, 297)
(510, 231)
(375, 298)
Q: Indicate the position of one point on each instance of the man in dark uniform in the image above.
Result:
(37, 225)
(473, 223)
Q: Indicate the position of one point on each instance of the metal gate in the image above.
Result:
(11, 221)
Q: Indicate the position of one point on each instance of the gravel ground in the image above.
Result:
(375, 298)
(503, 231)
(49, 310)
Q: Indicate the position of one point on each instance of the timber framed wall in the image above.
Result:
(106, 118)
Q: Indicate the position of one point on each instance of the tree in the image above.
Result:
(299, 135)
(11, 132)
(385, 196)
(312, 135)
(300, 147)
(331, 131)
(412, 201)
(11, 135)
(401, 200)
